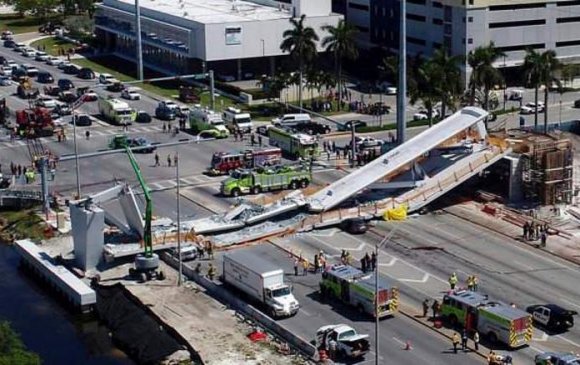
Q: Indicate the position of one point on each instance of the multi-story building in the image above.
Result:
(230, 36)
(462, 25)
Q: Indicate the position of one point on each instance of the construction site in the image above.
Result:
(520, 176)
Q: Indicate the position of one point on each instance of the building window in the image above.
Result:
(462, 40)
(522, 47)
(470, 41)
(358, 6)
(517, 6)
(448, 14)
(447, 29)
(463, 19)
(568, 3)
(437, 4)
(573, 19)
(568, 43)
(521, 23)
(415, 17)
(470, 19)
(437, 21)
(418, 2)
(418, 41)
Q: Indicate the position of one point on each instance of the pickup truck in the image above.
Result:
(349, 344)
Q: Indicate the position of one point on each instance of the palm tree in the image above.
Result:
(424, 85)
(450, 82)
(483, 74)
(340, 42)
(300, 43)
(549, 65)
(533, 71)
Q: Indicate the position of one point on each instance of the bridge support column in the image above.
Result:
(44, 185)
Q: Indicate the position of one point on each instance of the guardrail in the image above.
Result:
(221, 294)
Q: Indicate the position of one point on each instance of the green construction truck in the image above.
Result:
(246, 181)
(358, 289)
(498, 321)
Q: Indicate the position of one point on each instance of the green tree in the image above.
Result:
(424, 85)
(39, 8)
(300, 43)
(73, 7)
(450, 81)
(533, 73)
(341, 43)
(12, 350)
(483, 74)
(81, 27)
(549, 66)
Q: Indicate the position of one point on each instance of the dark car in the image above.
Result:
(552, 317)
(18, 74)
(44, 77)
(62, 109)
(82, 120)
(354, 225)
(52, 90)
(577, 103)
(71, 70)
(86, 73)
(67, 97)
(312, 128)
(557, 358)
(2, 60)
(348, 125)
(9, 43)
(115, 87)
(65, 84)
(143, 117)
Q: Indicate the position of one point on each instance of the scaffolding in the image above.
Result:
(547, 169)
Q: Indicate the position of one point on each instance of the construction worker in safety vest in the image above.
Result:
(211, 271)
(455, 342)
(453, 281)
(470, 283)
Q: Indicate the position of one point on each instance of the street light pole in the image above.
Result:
(180, 271)
(138, 40)
(76, 152)
(402, 87)
(383, 242)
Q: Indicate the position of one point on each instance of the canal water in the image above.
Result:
(46, 328)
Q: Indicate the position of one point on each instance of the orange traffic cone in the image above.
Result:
(408, 345)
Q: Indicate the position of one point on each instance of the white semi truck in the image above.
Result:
(262, 281)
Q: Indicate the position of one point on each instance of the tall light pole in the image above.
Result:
(383, 242)
(72, 107)
(178, 188)
(402, 89)
(138, 40)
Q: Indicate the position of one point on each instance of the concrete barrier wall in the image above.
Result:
(223, 295)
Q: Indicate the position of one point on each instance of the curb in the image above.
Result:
(527, 245)
(404, 313)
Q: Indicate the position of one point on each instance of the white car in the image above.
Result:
(391, 90)
(41, 56)
(5, 81)
(46, 102)
(11, 64)
(29, 52)
(170, 104)
(131, 93)
(53, 61)
(424, 115)
(57, 120)
(107, 79)
(19, 47)
(530, 108)
(368, 141)
(6, 70)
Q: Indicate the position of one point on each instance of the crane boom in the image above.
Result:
(147, 240)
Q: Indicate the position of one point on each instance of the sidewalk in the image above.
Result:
(561, 246)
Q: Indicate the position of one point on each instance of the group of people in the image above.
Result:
(368, 262)
(456, 340)
(167, 128)
(472, 282)
(536, 231)
(169, 160)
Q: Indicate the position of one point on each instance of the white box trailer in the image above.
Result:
(261, 280)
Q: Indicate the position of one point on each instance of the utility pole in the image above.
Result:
(180, 271)
(402, 87)
(138, 40)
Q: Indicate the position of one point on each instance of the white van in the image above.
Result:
(188, 253)
(237, 121)
(291, 120)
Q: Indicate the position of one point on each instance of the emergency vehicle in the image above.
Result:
(223, 163)
(237, 121)
(208, 122)
(498, 321)
(116, 111)
(357, 289)
(294, 145)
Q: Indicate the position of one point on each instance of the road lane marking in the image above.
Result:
(388, 264)
(569, 302)
(302, 310)
(541, 339)
(569, 341)
(422, 280)
(156, 185)
(399, 341)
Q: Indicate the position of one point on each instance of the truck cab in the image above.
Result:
(208, 122)
(166, 110)
(349, 344)
(235, 120)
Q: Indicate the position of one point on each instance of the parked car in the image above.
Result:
(31, 70)
(53, 61)
(9, 43)
(577, 103)
(530, 108)
(105, 78)
(45, 102)
(86, 73)
(312, 128)
(348, 125)
(65, 84)
(120, 141)
(188, 253)
(44, 77)
(89, 94)
(115, 86)
(19, 47)
(62, 108)
(28, 52)
(423, 114)
(71, 70)
(557, 358)
(143, 117)
(18, 74)
(67, 97)
(63, 64)
(366, 142)
(82, 120)
(2, 60)
(7, 34)
(131, 93)
(52, 90)
(10, 63)
(552, 317)
(354, 225)
(41, 56)
(6, 71)
(5, 81)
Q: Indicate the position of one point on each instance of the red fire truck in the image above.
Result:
(35, 122)
(224, 162)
